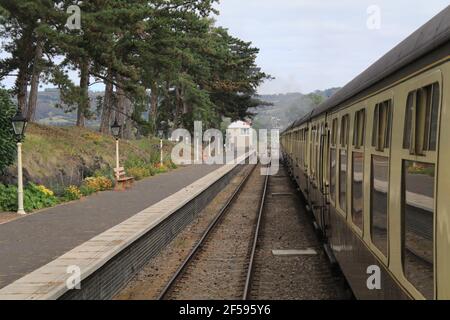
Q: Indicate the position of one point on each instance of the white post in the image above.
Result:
(161, 152)
(117, 158)
(20, 209)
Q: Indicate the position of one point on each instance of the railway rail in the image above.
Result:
(237, 255)
(207, 237)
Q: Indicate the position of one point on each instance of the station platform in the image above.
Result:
(34, 240)
(37, 250)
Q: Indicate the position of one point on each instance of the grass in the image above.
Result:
(61, 156)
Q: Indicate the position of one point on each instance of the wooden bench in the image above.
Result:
(122, 181)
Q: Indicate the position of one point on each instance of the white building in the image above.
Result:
(240, 135)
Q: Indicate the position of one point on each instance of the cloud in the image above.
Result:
(312, 44)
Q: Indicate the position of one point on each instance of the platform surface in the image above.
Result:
(30, 242)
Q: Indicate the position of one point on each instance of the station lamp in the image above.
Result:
(19, 124)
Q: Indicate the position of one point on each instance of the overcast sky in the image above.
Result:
(318, 44)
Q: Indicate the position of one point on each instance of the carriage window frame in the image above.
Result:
(343, 154)
(425, 157)
(359, 129)
(382, 125)
(379, 147)
(404, 204)
(421, 118)
(332, 173)
(358, 149)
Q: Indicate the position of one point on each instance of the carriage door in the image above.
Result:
(324, 175)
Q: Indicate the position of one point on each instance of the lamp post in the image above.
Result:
(19, 123)
(115, 130)
(161, 136)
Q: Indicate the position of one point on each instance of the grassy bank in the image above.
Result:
(73, 162)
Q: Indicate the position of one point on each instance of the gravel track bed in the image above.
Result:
(219, 268)
(287, 226)
(150, 281)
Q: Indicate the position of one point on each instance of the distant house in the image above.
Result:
(240, 135)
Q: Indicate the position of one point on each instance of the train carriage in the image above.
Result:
(372, 161)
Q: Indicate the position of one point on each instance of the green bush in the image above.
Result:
(72, 193)
(35, 198)
(7, 141)
(87, 190)
(8, 198)
(139, 173)
(105, 172)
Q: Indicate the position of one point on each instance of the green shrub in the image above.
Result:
(107, 172)
(7, 141)
(8, 198)
(87, 190)
(72, 193)
(139, 173)
(35, 198)
(38, 197)
(98, 183)
(135, 162)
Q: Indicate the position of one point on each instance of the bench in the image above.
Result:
(122, 181)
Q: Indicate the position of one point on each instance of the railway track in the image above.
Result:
(220, 266)
(288, 262)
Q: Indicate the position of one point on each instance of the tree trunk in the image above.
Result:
(178, 105)
(120, 110)
(32, 102)
(107, 106)
(128, 127)
(83, 106)
(153, 113)
(22, 85)
(124, 110)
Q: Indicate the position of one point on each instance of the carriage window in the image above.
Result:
(334, 130)
(381, 134)
(344, 130)
(359, 129)
(333, 174)
(379, 203)
(418, 208)
(358, 189)
(343, 163)
(421, 119)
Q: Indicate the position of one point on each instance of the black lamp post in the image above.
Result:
(115, 129)
(19, 124)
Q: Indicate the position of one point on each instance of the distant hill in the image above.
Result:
(288, 107)
(48, 114)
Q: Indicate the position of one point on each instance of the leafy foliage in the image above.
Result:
(162, 59)
(35, 198)
(98, 183)
(72, 193)
(7, 142)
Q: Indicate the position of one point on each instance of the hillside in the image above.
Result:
(47, 113)
(61, 156)
(288, 107)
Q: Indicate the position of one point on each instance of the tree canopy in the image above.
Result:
(160, 60)
(7, 142)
